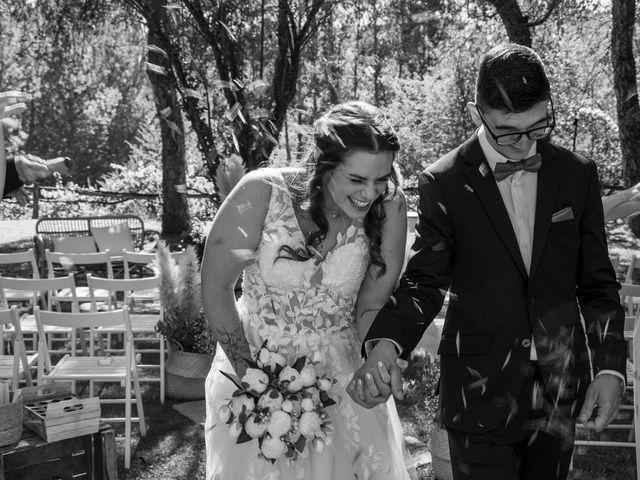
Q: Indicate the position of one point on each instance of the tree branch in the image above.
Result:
(550, 8)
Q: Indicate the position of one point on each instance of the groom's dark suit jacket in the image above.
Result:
(465, 243)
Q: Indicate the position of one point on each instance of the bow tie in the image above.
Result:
(504, 170)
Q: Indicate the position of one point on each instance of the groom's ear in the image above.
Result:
(473, 111)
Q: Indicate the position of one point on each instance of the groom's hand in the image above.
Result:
(605, 392)
(378, 378)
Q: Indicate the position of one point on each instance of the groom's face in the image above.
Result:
(501, 122)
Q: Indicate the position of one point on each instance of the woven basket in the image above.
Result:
(186, 373)
(439, 446)
(10, 423)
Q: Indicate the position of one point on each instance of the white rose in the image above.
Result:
(308, 375)
(287, 406)
(256, 379)
(294, 434)
(255, 427)
(319, 444)
(279, 424)
(291, 375)
(324, 384)
(307, 404)
(316, 357)
(297, 407)
(264, 357)
(309, 424)
(224, 414)
(242, 400)
(234, 430)
(277, 360)
(314, 394)
(273, 447)
(271, 400)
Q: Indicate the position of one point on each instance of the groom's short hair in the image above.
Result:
(511, 78)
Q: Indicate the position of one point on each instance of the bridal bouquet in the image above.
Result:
(281, 405)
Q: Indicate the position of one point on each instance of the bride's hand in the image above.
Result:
(367, 387)
(384, 372)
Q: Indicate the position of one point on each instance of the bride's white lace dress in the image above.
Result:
(307, 308)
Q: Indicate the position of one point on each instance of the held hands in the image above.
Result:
(604, 393)
(379, 377)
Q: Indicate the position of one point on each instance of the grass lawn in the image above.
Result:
(174, 445)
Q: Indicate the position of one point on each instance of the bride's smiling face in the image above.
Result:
(353, 186)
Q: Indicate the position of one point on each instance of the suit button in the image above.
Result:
(526, 343)
(532, 301)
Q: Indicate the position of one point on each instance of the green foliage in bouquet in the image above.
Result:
(184, 323)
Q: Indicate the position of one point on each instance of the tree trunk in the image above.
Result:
(626, 87)
(176, 220)
(514, 21)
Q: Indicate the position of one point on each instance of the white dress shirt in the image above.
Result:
(519, 193)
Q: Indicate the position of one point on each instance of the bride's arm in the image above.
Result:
(375, 291)
(231, 244)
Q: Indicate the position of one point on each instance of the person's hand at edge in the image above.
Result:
(11, 104)
(31, 168)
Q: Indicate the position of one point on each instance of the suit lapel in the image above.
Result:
(548, 180)
(487, 192)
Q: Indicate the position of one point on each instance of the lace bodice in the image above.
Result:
(286, 298)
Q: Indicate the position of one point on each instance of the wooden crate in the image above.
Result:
(90, 456)
(54, 413)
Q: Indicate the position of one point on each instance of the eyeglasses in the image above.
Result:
(533, 134)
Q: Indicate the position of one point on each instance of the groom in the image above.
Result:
(512, 226)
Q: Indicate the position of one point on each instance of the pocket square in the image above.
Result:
(562, 215)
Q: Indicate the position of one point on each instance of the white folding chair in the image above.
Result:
(22, 261)
(80, 264)
(143, 325)
(43, 292)
(627, 418)
(94, 367)
(615, 260)
(17, 365)
(135, 260)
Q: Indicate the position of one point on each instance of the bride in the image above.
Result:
(320, 252)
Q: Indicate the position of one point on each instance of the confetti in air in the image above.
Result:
(244, 207)
(243, 254)
(417, 305)
(506, 360)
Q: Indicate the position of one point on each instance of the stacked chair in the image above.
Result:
(17, 365)
(81, 328)
(97, 365)
(627, 418)
(123, 292)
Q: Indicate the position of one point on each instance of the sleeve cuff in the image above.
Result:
(617, 374)
(369, 344)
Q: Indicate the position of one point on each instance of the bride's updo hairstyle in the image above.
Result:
(345, 128)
